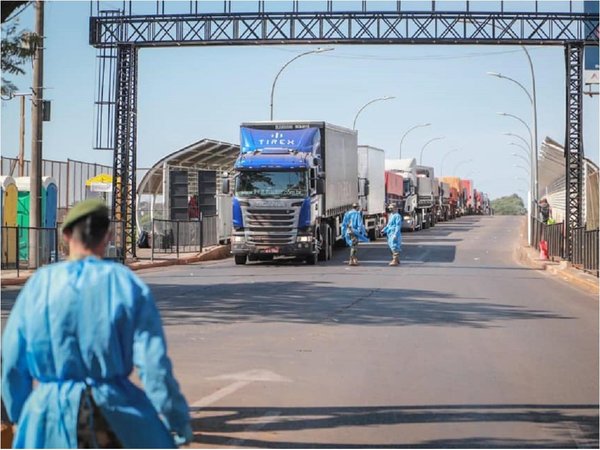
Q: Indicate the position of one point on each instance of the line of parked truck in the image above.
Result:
(294, 180)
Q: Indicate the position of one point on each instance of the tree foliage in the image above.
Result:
(511, 205)
(18, 46)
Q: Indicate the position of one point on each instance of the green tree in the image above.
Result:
(511, 205)
(18, 46)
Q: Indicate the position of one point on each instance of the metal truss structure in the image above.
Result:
(573, 141)
(119, 34)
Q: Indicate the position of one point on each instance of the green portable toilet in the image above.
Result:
(48, 216)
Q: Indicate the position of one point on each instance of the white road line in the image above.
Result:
(223, 392)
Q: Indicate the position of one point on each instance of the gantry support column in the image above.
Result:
(573, 143)
(124, 161)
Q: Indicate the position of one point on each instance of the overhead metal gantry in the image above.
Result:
(119, 34)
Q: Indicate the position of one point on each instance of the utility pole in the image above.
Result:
(22, 139)
(35, 208)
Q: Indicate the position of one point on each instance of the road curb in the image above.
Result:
(216, 253)
(564, 270)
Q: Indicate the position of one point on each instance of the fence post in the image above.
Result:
(200, 232)
(177, 239)
(152, 239)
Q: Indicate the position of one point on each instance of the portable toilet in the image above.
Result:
(48, 215)
(8, 211)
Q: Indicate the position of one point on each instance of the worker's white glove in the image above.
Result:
(185, 437)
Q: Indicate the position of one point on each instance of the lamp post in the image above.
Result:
(524, 151)
(426, 144)
(410, 129)
(460, 163)
(528, 144)
(444, 159)
(522, 167)
(380, 99)
(522, 158)
(319, 50)
(21, 157)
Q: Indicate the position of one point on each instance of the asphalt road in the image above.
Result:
(458, 347)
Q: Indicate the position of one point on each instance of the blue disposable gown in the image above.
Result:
(393, 231)
(354, 219)
(88, 322)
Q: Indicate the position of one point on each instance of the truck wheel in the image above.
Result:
(240, 260)
(311, 260)
(324, 236)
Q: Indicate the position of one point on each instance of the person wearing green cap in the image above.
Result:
(78, 328)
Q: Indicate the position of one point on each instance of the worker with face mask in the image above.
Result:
(393, 231)
(353, 230)
(78, 329)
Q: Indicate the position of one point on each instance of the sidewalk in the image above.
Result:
(531, 257)
(143, 261)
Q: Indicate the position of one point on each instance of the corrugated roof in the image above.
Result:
(205, 154)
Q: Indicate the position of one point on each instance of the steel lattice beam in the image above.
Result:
(344, 28)
(574, 142)
(124, 161)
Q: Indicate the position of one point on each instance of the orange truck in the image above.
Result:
(454, 201)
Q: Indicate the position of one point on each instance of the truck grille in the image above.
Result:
(270, 226)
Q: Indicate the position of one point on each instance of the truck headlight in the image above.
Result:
(304, 239)
(237, 239)
(407, 218)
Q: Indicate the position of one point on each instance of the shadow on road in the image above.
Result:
(321, 302)
(573, 425)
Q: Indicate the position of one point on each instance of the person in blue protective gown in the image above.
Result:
(353, 231)
(78, 328)
(393, 231)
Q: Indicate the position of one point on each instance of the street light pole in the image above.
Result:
(319, 50)
(522, 158)
(460, 163)
(387, 97)
(21, 157)
(444, 159)
(426, 144)
(525, 152)
(528, 144)
(35, 205)
(410, 129)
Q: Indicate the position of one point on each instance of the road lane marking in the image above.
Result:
(240, 380)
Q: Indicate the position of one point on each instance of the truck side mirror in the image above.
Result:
(320, 185)
(412, 189)
(225, 186)
(366, 188)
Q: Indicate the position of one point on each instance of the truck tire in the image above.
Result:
(311, 260)
(330, 247)
(240, 260)
(324, 235)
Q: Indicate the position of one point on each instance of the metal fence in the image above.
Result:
(176, 236)
(16, 254)
(209, 231)
(585, 250)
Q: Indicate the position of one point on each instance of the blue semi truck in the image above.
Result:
(293, 182)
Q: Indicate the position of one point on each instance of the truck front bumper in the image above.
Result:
(298, 249)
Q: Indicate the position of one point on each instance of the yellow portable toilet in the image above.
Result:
(8, 211)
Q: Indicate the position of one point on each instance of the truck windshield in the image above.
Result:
(276, 184)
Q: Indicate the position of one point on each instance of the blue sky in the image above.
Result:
(186, 94)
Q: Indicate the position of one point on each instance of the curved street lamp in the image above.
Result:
(426, 144)
(319, 50)
(444, 159)
(520, 120)
(517, 155)
(523, 152)
(409, 130)
(528, 144)
(460, 163)
(387, 97)
(521, 167)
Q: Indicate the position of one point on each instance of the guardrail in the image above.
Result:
(16, 251)
(585, 249)
(585, 244)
